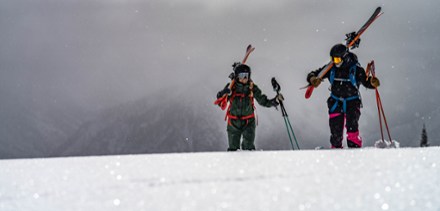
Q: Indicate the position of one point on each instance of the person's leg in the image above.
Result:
(234, 136)
(353, 115)
(336, 122)
(249, 135)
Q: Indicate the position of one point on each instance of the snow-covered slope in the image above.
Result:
(362, 179)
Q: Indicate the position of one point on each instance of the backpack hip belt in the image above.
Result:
(343, 100)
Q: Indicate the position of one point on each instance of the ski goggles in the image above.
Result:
(336, 60)
(243, 75)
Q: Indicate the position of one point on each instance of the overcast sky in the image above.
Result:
(103, 53)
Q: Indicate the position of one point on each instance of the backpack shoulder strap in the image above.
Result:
(251, 88)
(353, 75)
(332, 75)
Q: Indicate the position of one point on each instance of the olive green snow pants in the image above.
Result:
(236, 129)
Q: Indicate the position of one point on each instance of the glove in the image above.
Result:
(315, 81)
(374, 82)
(225, 90)
(274, 102)
(279, 98)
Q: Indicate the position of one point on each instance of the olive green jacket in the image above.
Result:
(241, 104)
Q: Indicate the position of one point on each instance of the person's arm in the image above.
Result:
(312, 77)
(224, 91)
(262, 99)
(369, 82)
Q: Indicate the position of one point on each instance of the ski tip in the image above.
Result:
(309, 92)
(380, 14)
(250, 48)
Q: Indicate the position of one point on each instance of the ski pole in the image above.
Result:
(383, 115)
(371, 69)
(286, 118)
(290, 133)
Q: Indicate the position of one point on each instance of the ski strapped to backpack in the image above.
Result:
(223, 101)
(352, 41)
(371, 69)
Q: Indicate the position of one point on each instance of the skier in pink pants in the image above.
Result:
(345, 102)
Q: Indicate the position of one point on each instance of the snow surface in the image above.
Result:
(359, 179)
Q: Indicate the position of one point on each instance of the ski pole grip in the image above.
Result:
(275, 85)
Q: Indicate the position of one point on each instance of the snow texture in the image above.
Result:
(386, 144)
(359, 179)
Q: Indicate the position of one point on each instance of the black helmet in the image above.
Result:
(243, 69)
(338, 50)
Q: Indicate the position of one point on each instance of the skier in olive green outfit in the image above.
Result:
(240, 113)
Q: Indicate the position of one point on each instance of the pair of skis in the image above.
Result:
(353, 40)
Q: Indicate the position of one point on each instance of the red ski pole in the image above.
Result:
(371, 69)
